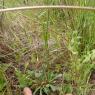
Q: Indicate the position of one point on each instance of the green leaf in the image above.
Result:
(68, 88)
(41, 91)
(54, 88)
(23, 79)
(2, 84)
(46, 90)
(36, 90)
(2, 81)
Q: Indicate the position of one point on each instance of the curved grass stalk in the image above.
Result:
(49, 7)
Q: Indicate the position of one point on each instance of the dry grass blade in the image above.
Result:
(48, 7)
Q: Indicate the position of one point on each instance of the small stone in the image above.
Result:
(68, 94)
(27, 91)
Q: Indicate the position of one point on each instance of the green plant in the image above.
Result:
(38, 81)
(51, 50)
(3, 79)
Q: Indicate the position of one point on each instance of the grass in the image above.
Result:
(51, 51)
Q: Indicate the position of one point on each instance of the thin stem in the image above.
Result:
(49, 7)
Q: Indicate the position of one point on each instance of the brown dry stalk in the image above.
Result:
(48, 7)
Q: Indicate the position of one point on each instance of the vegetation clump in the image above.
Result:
(52, 51)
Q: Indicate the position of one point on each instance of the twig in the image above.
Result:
(48, 7)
